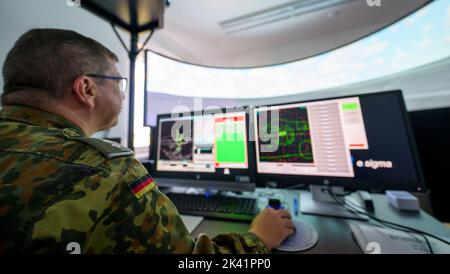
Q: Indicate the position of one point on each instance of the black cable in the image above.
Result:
(343, 195)
(296, 186)
(387, 224)
(349, 203)
(406, 229)
(397, 227)
(393, 224)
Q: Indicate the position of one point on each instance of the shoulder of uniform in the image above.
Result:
(134, 177)
(107, 148)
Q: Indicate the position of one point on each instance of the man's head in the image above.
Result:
(48, 68)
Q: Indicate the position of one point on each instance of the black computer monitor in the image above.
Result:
(359, 142)
(205, 149)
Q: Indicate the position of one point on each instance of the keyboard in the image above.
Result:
(216, 206)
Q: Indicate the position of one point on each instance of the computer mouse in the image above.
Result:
(304, 238)
(274, 203)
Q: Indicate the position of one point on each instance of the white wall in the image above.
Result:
(18, 16)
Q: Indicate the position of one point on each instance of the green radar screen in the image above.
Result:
(290, 142)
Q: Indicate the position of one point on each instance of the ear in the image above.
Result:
(85, 90)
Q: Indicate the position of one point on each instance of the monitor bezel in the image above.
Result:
(235, 175)
(286, 181)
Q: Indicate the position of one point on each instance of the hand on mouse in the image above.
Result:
(272, 227)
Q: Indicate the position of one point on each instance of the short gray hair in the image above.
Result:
(50, 59)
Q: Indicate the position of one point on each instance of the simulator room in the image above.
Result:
(256, 126)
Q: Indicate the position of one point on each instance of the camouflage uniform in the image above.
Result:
(59, 186)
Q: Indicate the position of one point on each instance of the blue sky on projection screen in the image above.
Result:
(419, 39)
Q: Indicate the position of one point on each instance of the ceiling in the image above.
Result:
(132, 15)
(254, 33)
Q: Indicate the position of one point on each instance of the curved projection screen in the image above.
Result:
(256, 33)
(419, 39)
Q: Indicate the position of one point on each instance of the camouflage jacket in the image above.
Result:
(59, 187)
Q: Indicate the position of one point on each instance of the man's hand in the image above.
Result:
(272, 227)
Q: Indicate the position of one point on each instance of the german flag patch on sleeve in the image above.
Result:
(141, 186)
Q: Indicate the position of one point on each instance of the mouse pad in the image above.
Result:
(305, 237)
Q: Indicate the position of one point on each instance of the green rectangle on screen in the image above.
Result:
(230, 148)
(350, 106)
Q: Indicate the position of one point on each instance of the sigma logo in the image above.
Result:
(374, 164)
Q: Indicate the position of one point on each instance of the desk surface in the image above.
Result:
(334, 233)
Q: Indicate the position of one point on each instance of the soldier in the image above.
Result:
(59, 186)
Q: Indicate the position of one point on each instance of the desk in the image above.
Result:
(334, 233)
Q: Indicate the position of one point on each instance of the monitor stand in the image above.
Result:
(319, 202)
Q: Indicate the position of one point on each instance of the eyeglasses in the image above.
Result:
(123, 82)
